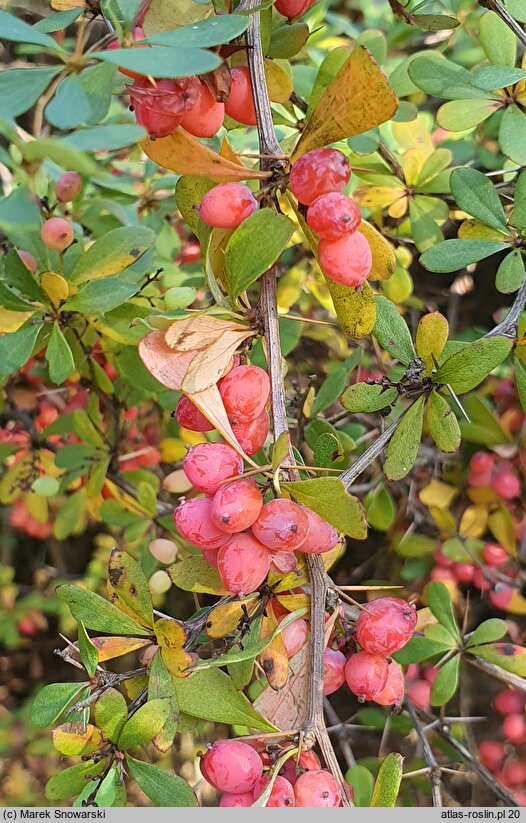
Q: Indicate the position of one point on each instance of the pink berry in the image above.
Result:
(385, 625)
(232, 766)
(501, 596)
(506, 484)
(229, 800)
(441, 573)
(138, 34)
(189, 417)
(333, 215)
(281, 526)
(207, 465)
(293, 8)
(282, 794)
(240, 103)
(482, 462)
(68, 186)
(479, 580)
(236, 505)
(494, 555)
(56, 233)
(392, 693)
(412, 672)
(28, 260)
(514, 728)
(419, 692)
(309, 760)
(205, 117)
(158, 108)
(430, 674)
(251, 436)
(322, 537)
(319, 172)
(476, 481)
(333, 671)
(510, 701)
(294, 636)
(245, 391)
(348, 260)
(226, 206)
(464, 572)
(366, 675)
(514, 772)
(441, 559)
(243, 564)
(193, 521)
(491, 753)
(317, 788)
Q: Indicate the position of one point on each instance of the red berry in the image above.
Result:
(347, 260)
(333, 215)
(245, 391)
(366, 674)
(205, 117)
(513, 772)
(282, 794)
(333, 671)
(232, 766)
(510, 701)
(478, 480)
(207, 465)
(240, 103)
(514, 728)
(281, 526)
(56, 233)
(412, 672)
(68, 186)
(210, 555)
(28, 260)
(482, 462)
(464, 572)
(442, 560)
(501, 595)
(321, 537)
(430, 674)
(419, 692)
(491, 753)
(229, 800)
(309, 760)
(293, 8)
(189, 417)
(440, 573)
(236, 505)
(385, 625)
(226, 206)
(294, 636)
(251, 436)
(317, 788)
(506, 484)
(160, 108)
(392, 693)
(479, 580)
(194, 523)
(318, 172)
(243, 564)
(494, 555)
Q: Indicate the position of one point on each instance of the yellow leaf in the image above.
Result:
(129, 502)
(171, 637)
(228, 152)
(172, 449)
(412, 162)
(275, 663)
(354, 308)
(473, 230)
(293, 602)
(399, 208)
(66, 5)
(183, 154)
(37, 506)
(482, 495)
(163, 16)
(210, 403)
(414, 134)
(357, 99)
(377, 198)
(501, 526)
(11, 321)
(438, 494)
(431, 337)
(474, 522)
(384, 258)
(55, 286)
(444, 520)
(225, 618)
(517, 604)
(111, 647)
(77, 738)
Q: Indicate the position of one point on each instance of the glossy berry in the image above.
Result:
(321, 537)
(385, 625)
(333, 215)
(227, 205)
(193, 521)
(68, 186)
(251, 436)
(28, 260)
(229, 800)
(245, 391)
(366, 675)
(333, 671)
(481, 463)
(56, 233)
(160, 108)
(318, 172)
(506, 484)
(205, 117)
(293, 8)
(281, 526)
(165, 551)
(207, 465)
(347, 260)
(514, 728)
(464, 572)
(510, 701)
(392, 693)
(236, 505)
(240, 103)
(231, 766)
(494, 555)
(243, 564)
(491, 753)
(189, 417)
(317, 788)
(501, 595)
(419, 692)
(282, 794)
(294, 636)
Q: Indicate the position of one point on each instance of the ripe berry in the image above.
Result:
(318, 172)
(479, 580)
(491, 753)
(333, 215)
(229, 800)
(236, 505)
(494, 555)
(366, 675)
(385, 625)
(189, 417)
(281, 526)
(240, 103)
(481, 462)
(293, 8)
(243, 564)
(226, 206)
(282, 794)
(464, 572)
(392, 693)
(194, 523)
(514, 728)
(68, 186)
(419, 692)
(28, 260)
(513, 772)
(56, 233)
(506, 484)
(245, 391)
(501, 595)
(205, 116)
(442, 560)
(251, 436)
(294, 636)
(441, 573)
(317, 788)
(430, 674)
(333, 671)
(321, 537)
(207, 465)
(165, 551)
(231, 766)
(160, 108)
(347, 260)
(510, 701)
(478, 480)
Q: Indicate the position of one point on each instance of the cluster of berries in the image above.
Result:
(493, 558)
(486, 469)
(508, 766)
(56, 232)
(240, 771)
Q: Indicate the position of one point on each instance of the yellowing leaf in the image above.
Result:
(226, 617)
(11, 321)
(517, 604)
(110, 647)
(414, 134)
(377, 198)
(438, 494)
(384, 258)
(474, 522)
(55, 286)
(356, 100)
(444, 520)
(211, 364)
(163, 16)
(195, 333)
(171, 637)
(431, 337)
(473, 230)
(501, 526)
(354, 308)
(275, 663)
(77, 738)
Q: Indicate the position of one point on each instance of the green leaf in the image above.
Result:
(194, 574)
(326, 450)
(467, 368)
(211, 695)
(518, 215)
(435, 22)
(162, 787)
(11, 28)
(288, 40)
(21, 88)
(11, 301)
(403, 447)
(189, 191)
(105, 138)
(59, 356)
(71, 517)
(161, 685)
(332, 387)
(52, 148)
(488, 632)
(425, 231)
(419, 649)
(445, 683)
(101, 296)
(82, 98)
(69, 782)
(108, 788)
(253, 248)
(362, 782)
(477, 196)
(17, 348)
(452, 255)
(129, 582)
(512, 127)
(89, 655)
(517, 9)
(392, 332)
(51, 701)
(46, 486)
(111, 714)
(442, 423)
(18, 276)
(497, 77)
(484, 427)
(158, 61)
(58, 21)
(380, 509)
(443, 78)
(19, 213)
(520, 382)
(508, 656)
(459, 115)
(388, 780)
(510, 273)
(205, 33)
(365, 397)
(96, 613)
(112, 253)
(497, 40)
(328, 497)
(144, 724)
(439, 601)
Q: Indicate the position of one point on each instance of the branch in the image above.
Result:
(513, 681)
(349, 475)
(429, 757)
(498, 8)
(509, 326)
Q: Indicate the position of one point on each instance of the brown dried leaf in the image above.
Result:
(195, 333)
(211, 364)
(167, 366)
(210, 403)
(218, 82)
(287, 709)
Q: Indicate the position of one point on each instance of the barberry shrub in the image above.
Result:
(262, 402)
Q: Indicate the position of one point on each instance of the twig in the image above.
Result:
(429, 757)
(498, 8)
(509, 326)
(511, 680)
(374, 451)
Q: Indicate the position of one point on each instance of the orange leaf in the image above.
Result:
(211, 364)
(195, 333)
(110, 647)
(167, 366)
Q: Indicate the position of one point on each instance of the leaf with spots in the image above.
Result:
(508, 656)
(171, 637)
(112, 253)
(97, 613)
(128, 587)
